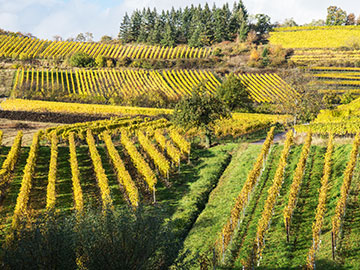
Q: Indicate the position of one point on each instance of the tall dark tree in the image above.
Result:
(239, 21)
(168, 37)
(262, 24)
(184, 33)
(124, 33)
(154, 36)
(135, 25)
(220, 25)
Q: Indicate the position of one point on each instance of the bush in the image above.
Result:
(233, 93)
(100, 61)
(81, 59)
(330, 100)
(217, 52)
(347, 98)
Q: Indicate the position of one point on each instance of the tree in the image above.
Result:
(307, 104)
(89, 37)
(239, 21)
(57, 38)
(200, 110)
(233, 93)
(289, 23)
(135, 24)
(80, 38)
(350, 19)
(124, 33)
(262, 24)
(105, 39)
(316, 23)
(335, 16)
(168, 38)
(154, 36)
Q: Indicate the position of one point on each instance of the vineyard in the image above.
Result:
(326, 57)
(130, 82)
(108, 172)
(216, 151)
(287, 210)
(315, 37)
(336, 79)
(343, 120)
(23, 48)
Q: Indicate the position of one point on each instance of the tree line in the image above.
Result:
(196, 26)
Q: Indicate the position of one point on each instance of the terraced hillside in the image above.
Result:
(25, 48)
(127, 83)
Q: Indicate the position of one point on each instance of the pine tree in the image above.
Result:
(168, 37)
(239, 21)
(184, 35)
(124, 29)
(155, 33)
(220, 25)
(135, 25)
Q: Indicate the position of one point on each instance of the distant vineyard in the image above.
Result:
(130, 82)
(111, 82)
(324, 56)
(343, 120)
(268, 87)
(336, 80)
(315, 37)
(29, 48)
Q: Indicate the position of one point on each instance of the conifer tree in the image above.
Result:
(135, 25)
(168, 37)
(124, 33)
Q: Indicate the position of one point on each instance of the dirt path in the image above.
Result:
(277, 137)
(11, 127)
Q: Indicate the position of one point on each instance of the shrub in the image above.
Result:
(81, 59)
(100, 61)
(347, 98)
(233, 93)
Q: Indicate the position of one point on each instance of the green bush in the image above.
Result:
(233, 93)
(81, 59)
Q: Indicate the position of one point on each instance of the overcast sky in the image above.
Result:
(67, 18)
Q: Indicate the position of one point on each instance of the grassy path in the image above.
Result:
(115, 191)
(208, 225)
(37, 199)
(340, 158)
(64, 191)
(350, 245)
(189, 194)
(4, 150)
(8, 203)
(275, 241)
(304, 213)
(88, 183)
(241, 248)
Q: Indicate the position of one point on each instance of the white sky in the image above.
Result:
(46, 18)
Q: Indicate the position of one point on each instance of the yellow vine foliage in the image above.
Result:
(78, 195)
(51, 192)
(99, 171)
(123, 175)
